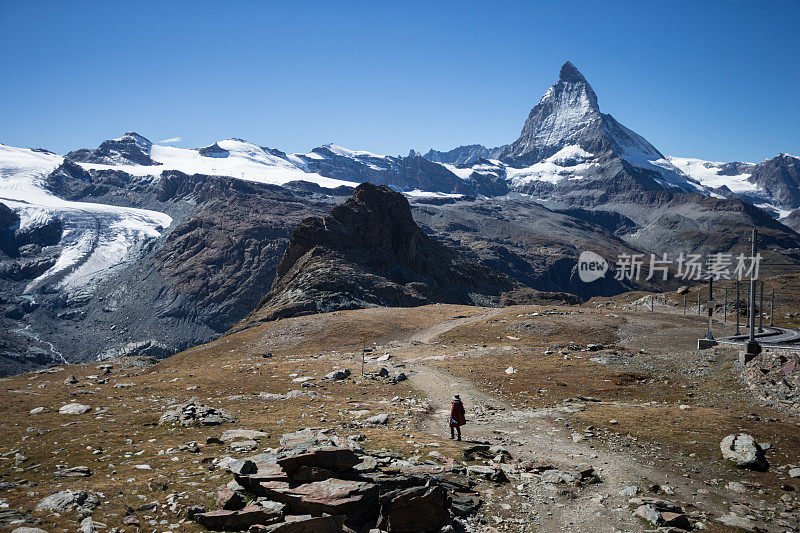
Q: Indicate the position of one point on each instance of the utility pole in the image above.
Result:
(737, 308)
(725, 306)
(710, 305)
(772, 307)
(753, 348)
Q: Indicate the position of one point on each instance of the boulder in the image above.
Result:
(74, 409)
(329, 458)
(380, 419)
(743, 451)
(68, 500)
(683, 289)
(239, 520)
(414, 509)
(28, 530)
(489, 473)
(337, 375)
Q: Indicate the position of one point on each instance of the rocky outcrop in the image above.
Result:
(369, 252)
(357, 493)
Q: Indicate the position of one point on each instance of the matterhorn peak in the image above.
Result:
(570, 74)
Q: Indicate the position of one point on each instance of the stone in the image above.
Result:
(242, 434)
(28, 530)
(88, 525)
(305, 438)
(735, 486)
(67, 500)
(74, 409)
(38, 410)
(382, 418)
(74, 472)
(71, 380)
(400, 377)
(243, 446)
(194, 413)
(414, 509)
(329, 458)
(228, 499)
(358, 500)
(383, 372)
(271, 396)
(557, 476)
(241, 467)
(743, 451)
(683, 289)
(238, 520)
(337, 375)
(794, 472)
(489, 473)
(464, 504)
(303, 524)
(648, 513)
(738, 522)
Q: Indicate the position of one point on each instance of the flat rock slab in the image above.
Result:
(355, 499)
(74, 409)
(304, 524)
(228, 520)
(306, 438)
(242, 434)
(74, 472)
(328, 458)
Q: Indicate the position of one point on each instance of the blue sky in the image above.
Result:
(716, 80)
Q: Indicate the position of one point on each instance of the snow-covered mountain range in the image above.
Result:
(110, 233)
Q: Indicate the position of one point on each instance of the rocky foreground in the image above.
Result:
(580, 418)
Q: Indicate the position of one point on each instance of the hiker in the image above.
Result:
(457, 417)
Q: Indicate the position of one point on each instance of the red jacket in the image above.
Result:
(457, 414)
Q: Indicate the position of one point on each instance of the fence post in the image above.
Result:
(698, 303)
(761, 309)
(684, 304)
